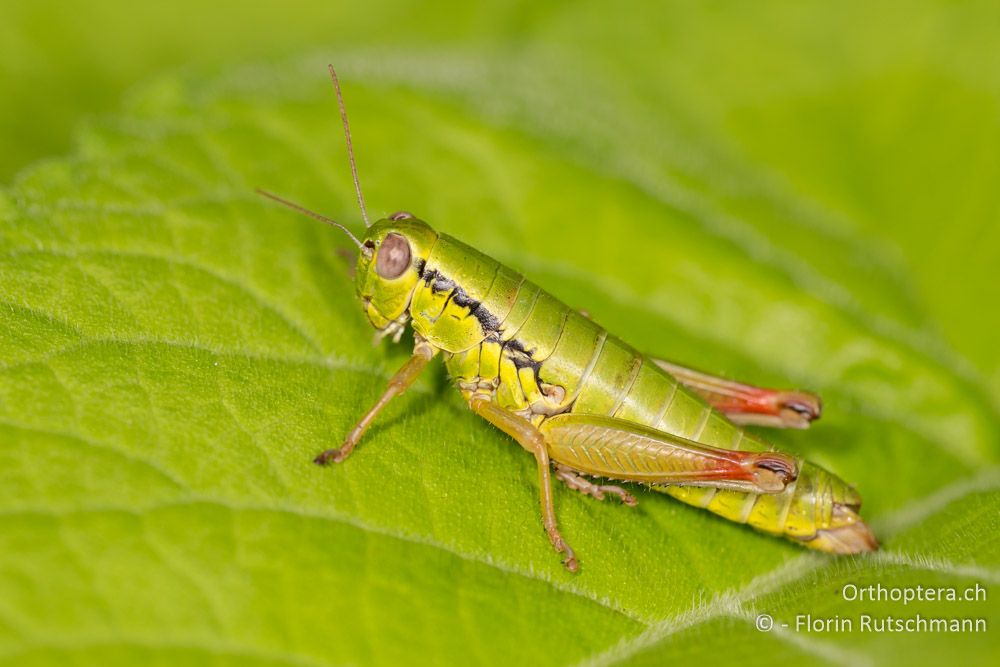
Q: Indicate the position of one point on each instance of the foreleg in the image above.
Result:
(423, 352)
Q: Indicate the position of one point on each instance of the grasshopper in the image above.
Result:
(585, 404)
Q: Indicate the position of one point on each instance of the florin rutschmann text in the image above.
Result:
(878, 623)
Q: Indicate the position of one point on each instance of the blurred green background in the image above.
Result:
(796, 193)
(900, 97)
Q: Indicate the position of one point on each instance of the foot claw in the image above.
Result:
(331, 455)
(624, 496)
(561, 547)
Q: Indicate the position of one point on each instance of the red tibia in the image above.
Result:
(747, 404)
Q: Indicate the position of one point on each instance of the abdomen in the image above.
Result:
(504, 336)
(654, 398)
(538, 357)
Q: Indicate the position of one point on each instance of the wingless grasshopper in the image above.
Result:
(585, 404)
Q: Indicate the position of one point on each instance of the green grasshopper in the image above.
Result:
(584, 403)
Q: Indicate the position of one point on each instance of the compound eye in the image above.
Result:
(393, 257)
(401, 215)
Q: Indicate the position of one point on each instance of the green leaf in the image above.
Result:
(175, 350)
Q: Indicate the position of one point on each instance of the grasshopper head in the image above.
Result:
(392, 254)
(391, 262)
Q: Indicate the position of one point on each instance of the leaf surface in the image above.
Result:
(175, 350)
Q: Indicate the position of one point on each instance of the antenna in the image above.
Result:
(317, 216)
(350, 149)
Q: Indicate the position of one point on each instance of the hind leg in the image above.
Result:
(747, 404)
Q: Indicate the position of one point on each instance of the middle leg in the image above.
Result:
(531, 439)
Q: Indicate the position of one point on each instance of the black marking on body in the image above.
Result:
(514, 349)
(440, 283)
(518, 347)
(522, 358)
